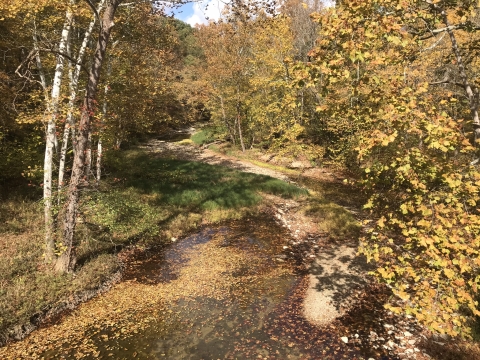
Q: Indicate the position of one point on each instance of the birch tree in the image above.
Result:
(73, 76)
(51, 140)
(67, 259)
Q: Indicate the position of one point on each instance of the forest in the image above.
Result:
(123, 130)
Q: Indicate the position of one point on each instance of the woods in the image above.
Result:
(386, 91)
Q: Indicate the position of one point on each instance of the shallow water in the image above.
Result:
(208, 328)
(257, 312)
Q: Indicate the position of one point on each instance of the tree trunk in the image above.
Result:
(74, 75)
(99, 158)
(51, 140)
(66, 261)
(235, 131)
(240, 132)
(224, 117)
(88, 156)
(239, 122)
(100, 132)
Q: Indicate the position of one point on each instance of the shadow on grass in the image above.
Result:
(195, 185)
(342, 194)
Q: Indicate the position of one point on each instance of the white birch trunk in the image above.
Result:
(51, 139)
(74, 75)
(100, 145)
(88, 155)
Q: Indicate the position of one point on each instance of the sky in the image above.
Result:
(198, 12)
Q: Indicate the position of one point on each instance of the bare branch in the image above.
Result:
(434, 44)
(27, 60)
(94, 9)
(74, 62)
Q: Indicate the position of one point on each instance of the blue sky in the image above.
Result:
(198, 12)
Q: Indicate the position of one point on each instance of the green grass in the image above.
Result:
(192, 186)
(204, 136)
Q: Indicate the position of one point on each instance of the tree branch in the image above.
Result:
(74, 61)
(94, 10)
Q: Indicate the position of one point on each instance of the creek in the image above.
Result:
(222, 293)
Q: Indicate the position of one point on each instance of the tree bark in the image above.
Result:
(51, 140)
(74, 75)
(224, 117)
(240, 132)
(239, 122)
(104, 116)
(88, 156)
(67, 259)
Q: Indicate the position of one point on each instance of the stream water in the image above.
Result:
(233, 325)
(227, 296)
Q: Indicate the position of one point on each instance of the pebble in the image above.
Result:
(407, 334)
(411, 342)
(345, 339)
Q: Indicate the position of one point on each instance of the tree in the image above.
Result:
(415, 143)
(66, 261)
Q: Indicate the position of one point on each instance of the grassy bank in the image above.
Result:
(143, 200)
